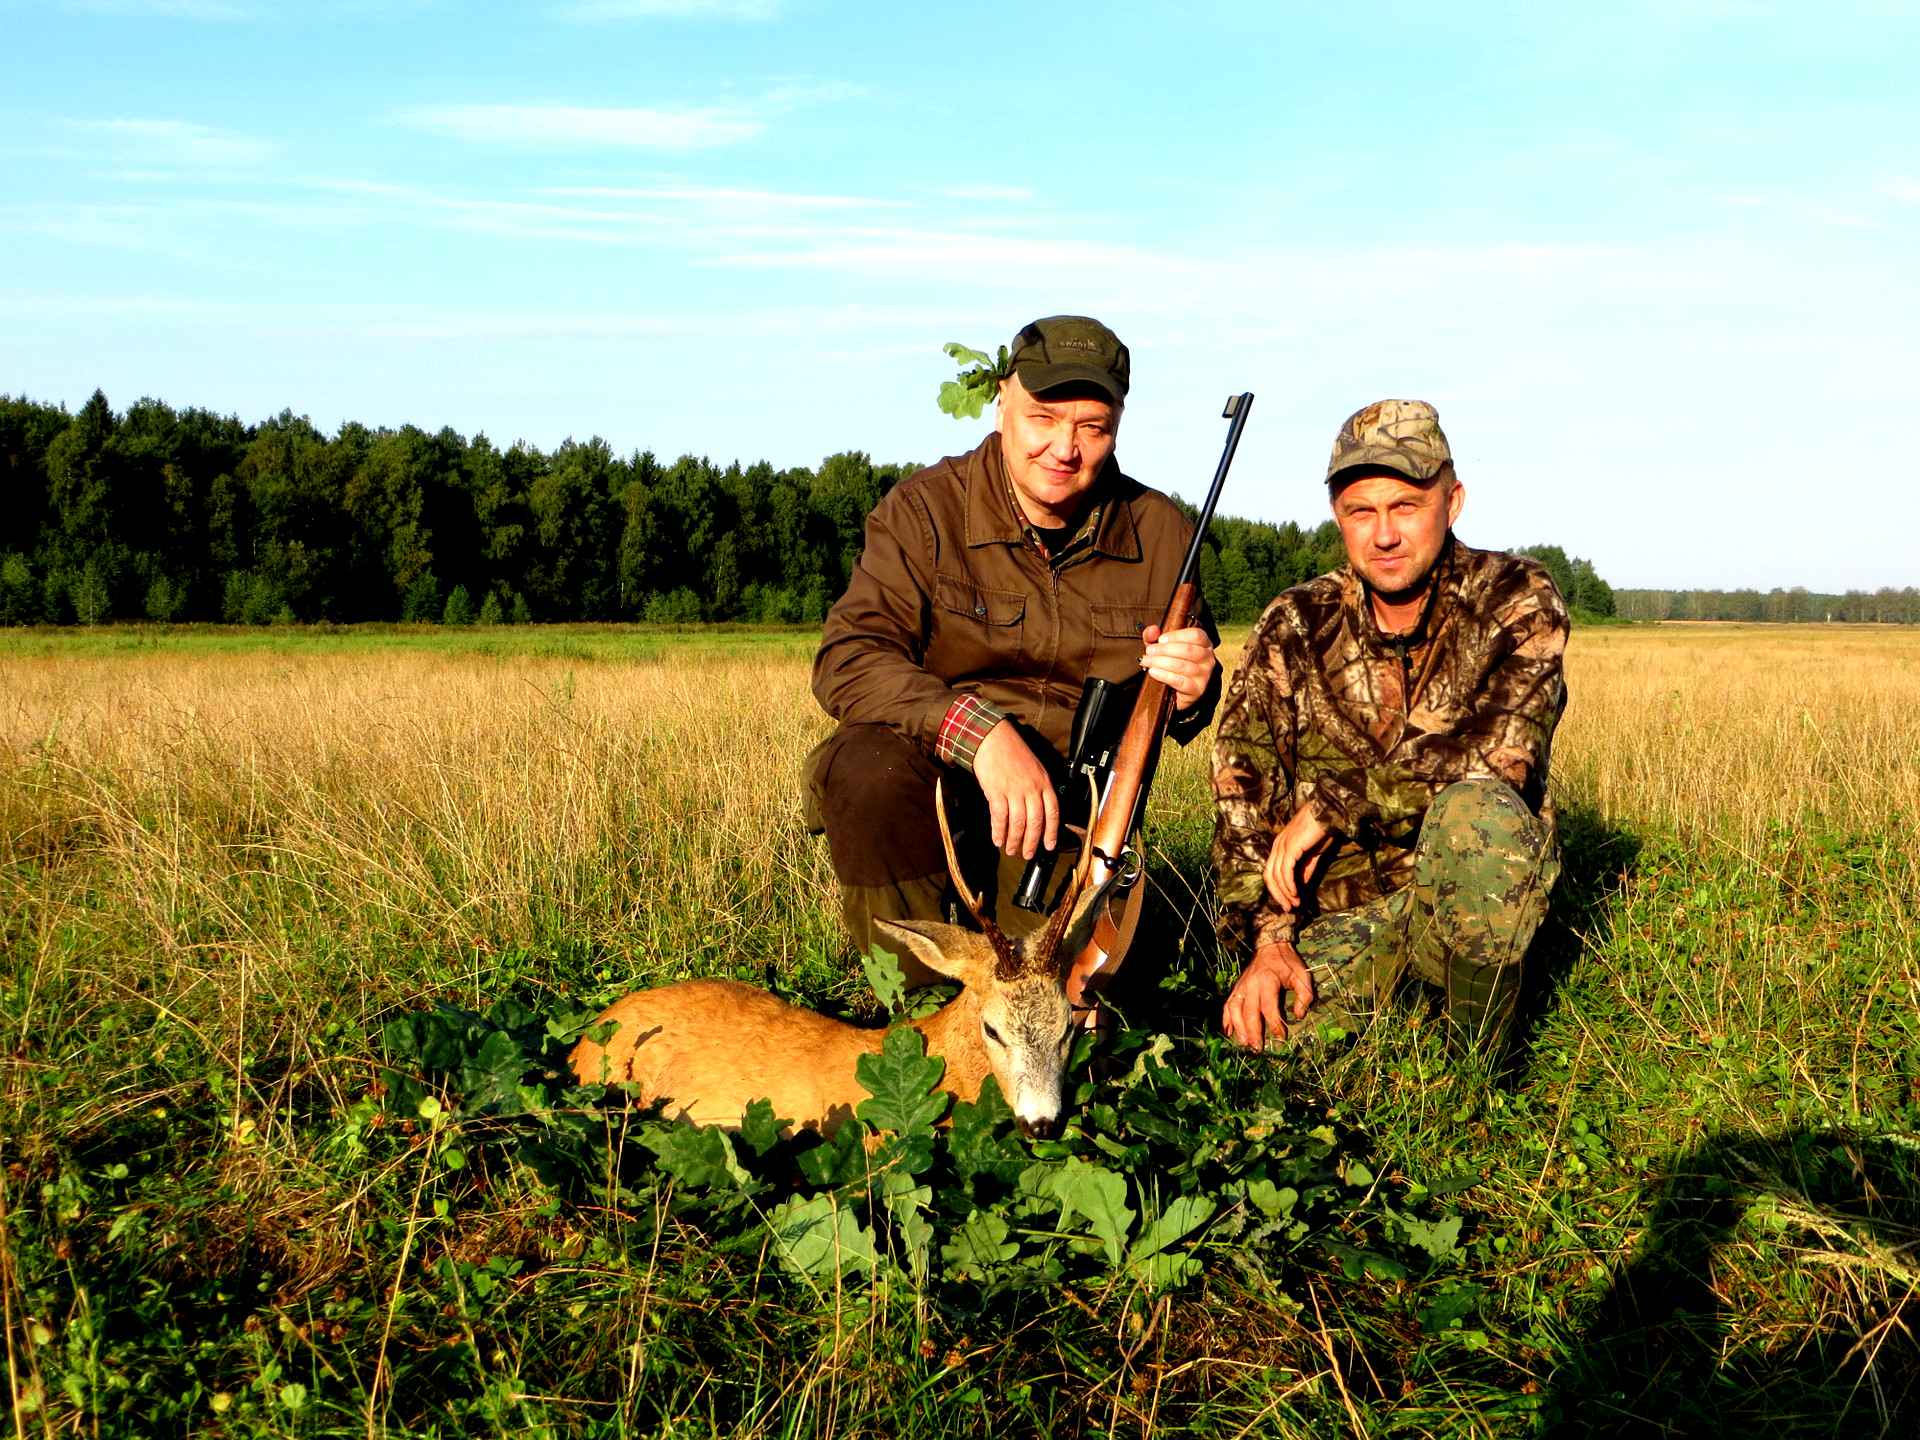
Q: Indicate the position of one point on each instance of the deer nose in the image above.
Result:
(1045, 1129)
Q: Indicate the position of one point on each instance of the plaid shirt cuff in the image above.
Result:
(962, 728)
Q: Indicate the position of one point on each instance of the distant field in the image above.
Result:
(229, 857)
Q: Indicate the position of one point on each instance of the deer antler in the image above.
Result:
(1006, 958)
(1042, 953)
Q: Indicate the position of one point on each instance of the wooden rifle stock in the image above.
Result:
(1110, 831)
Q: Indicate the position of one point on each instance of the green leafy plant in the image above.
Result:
(1159, 1172)
(978, 384)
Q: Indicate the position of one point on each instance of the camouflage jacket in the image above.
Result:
(1370, 727)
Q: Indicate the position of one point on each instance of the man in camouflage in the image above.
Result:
(1380, 764)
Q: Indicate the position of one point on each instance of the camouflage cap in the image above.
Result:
(1403, 436)
(1062, 350)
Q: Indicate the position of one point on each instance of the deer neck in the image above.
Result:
(953, 1033)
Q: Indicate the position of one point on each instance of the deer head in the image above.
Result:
(1019, 986)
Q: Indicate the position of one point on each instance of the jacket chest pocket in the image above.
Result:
(1116, 638)
(975, 627)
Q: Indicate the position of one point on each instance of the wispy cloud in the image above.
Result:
(986, 192)
(148, 143)
(720, 197)
(554, 125)
(168, 9)
(604, 10)
(548, 126)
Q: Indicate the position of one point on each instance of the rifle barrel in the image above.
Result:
(1237, 408)
(1139, 749)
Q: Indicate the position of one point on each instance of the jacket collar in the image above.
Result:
(994, 519)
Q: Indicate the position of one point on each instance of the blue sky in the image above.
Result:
(1655, 263)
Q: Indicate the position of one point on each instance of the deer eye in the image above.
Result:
(993, 1035)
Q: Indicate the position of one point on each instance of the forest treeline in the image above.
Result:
(185, 515)
(1885, 606)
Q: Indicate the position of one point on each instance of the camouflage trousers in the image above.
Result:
(1483, 867)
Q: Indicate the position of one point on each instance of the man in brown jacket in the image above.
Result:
(991, 586)
(1381, 761)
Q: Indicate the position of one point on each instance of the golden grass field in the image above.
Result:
(477, 798)
(227, 847)
(238, 832)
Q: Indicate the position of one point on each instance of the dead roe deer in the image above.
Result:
(710, 1047)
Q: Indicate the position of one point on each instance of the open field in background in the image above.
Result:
(227, 858)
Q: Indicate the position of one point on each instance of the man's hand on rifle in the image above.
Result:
(1182, 660)
(1252, 1014)
(1021, 805)
(1295, 856)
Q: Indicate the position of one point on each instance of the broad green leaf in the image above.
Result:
(491, 1079)
(568, 1024)
(1034, 1192)
(1149, 1061)
(838, 1159)
(910, 1154)
(900, 1080)
(1357, 1175)
(399, 1039)
(884, 974)
(1447, 1309)
(928, 999)
(760, 1127)
(979, 1245)
(1439, 1238)
(981, 1141)
(1272, 1201)
(506, 1013)
(820, 1239)
(1167, 1270)
(916, 1231)
(1151, 1254)
(962, 401)
(1100, 1195)
(1355, 1262)
(695, 1155)
(968, 356)
(907, 1203)
(1183, 1215)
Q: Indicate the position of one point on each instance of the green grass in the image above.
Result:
(1690, 1206)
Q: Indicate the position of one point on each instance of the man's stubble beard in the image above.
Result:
(1406, 594)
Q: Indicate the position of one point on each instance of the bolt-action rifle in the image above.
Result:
(1129, 764)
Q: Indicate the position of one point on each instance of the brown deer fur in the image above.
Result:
(710, 1047)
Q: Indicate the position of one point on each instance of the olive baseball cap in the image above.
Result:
(1062, 350)
(1403, 436)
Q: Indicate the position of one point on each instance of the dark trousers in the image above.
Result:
(871, 791)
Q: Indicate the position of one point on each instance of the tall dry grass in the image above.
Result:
(343, 814)
(259, 830)
(1727, 733)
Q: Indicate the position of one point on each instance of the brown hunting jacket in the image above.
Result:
(956, 615)
(1370, 727)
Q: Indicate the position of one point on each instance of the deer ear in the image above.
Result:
(944, 949)
(1086, 913)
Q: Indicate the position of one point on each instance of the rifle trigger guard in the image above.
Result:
(1129, 867)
